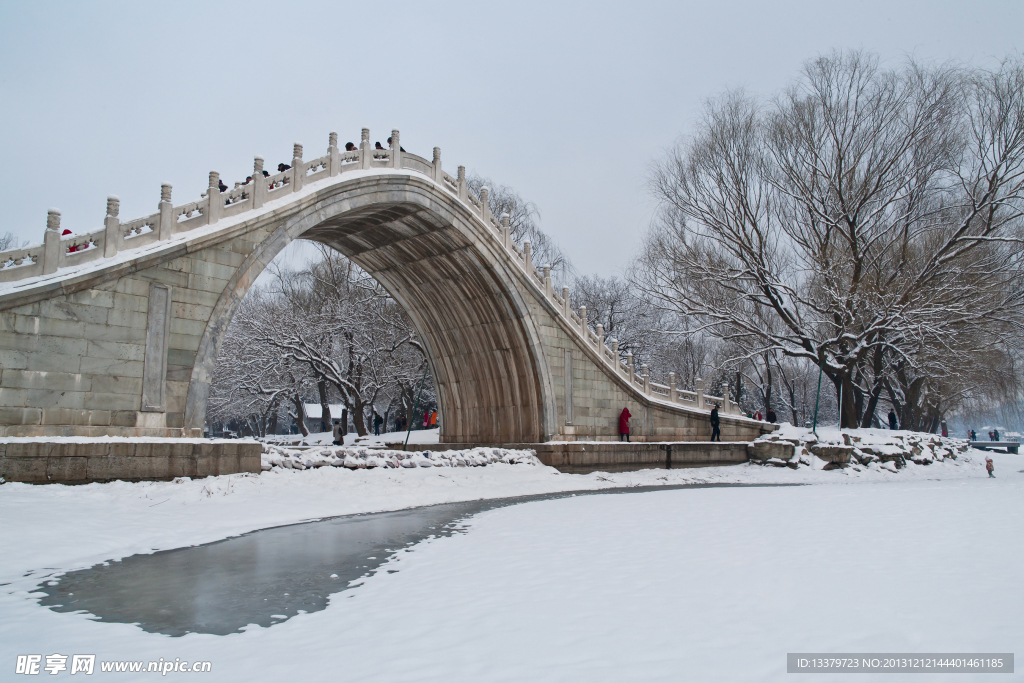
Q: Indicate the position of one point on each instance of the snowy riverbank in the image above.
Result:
(701, 584)
(67, 527)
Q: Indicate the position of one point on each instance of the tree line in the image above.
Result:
(861, 229)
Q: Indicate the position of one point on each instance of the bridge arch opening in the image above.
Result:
(426, 250)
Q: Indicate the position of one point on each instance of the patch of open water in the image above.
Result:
(267, 576)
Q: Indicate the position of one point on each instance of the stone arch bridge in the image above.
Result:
(116, 332)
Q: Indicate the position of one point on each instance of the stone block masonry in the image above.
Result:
(81, 461)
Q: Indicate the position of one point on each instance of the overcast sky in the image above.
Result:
(569, 103)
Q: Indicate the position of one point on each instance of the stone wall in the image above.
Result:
(70, 462)
(74, 364)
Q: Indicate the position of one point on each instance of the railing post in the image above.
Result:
(396, 150)
(506, 233)
(112, 227)
(51, 242)
(672, 387)
(629, 366)
(647, 379)
(438, 172)
(165, 228)
(463, 187)
(213, 199)
(725, 399)
(485, 205)
(298, 167)
(527, 256)
(565, 303)
(334, 165)
(365, 151)
(547, 281)
(600, 338)
(615, 352)
(259, 183)
(699, 386)
(583, 321)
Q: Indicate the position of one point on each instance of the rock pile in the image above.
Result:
(367, 458)
(792, 448)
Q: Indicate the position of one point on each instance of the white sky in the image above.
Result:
(567, 102)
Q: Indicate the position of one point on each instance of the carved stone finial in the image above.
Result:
(643, 370)
(53, 220)
(484, 192)
(565, 292)
(462, 174)
(437, 154)
(547, 271)
(671, 378)
(165, 192)
(257, 167)
(504, 219)
(600, 331)
(113, 206)
(332, 140)
(297, 150)
(214, 180)
(365, 136)
(394, 139)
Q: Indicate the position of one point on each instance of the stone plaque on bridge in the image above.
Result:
(154, 376)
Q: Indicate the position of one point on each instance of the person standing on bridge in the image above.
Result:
(624, 424)
(350, 147)
(716, 433)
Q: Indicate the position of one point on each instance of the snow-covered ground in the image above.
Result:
(702, 584)
(417, 437)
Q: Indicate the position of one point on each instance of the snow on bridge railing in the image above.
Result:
(262, 186)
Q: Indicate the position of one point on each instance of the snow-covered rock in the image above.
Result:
(831, 449)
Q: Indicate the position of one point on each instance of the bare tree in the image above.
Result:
(523, 218)
(872, 215)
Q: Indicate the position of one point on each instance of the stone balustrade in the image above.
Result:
(171, 221)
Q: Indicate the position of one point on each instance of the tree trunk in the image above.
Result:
(847, 402)
(300, 414)
(325, 407)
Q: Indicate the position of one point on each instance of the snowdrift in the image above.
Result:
(366, 458)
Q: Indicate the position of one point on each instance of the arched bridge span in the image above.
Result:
(116, 332)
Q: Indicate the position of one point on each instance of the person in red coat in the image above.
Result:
(624, 424)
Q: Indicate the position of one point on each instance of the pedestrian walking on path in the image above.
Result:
(716, 433)
(624, 424)
(990, 466)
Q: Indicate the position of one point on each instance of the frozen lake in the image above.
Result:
(263, 577)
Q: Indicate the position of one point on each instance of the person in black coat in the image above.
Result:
(772, 417)
(716, 433)
(892, 420)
